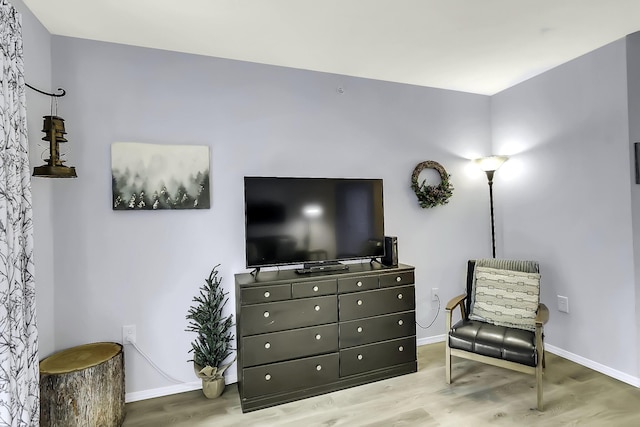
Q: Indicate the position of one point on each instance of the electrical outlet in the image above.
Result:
(129, 334)
(563, 304)
(435, 294)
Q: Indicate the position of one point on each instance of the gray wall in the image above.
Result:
(633, 73)
(143, 268)
(565, 199)
(37, 65)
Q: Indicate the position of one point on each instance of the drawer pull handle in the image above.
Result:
(359, 284)
(401, 348)
(359, 302)
(316, 308)
(267, 345)
(318, 337)
(266, 314)
(400, 322)
(398, 279)
(359, 328)
(267, 294)
(267, 377)
(360, 357)
(399, 296)
(319, 368)
(315, 289)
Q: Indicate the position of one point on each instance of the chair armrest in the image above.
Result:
(542, 315)
(454, 302)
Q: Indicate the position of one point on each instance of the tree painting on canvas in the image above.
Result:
(157, 176)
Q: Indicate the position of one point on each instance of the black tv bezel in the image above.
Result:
(315, 266)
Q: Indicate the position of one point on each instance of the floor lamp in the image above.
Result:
(489, 165)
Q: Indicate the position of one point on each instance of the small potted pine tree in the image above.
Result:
(212, 346)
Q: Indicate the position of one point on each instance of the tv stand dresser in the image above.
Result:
(303, 335)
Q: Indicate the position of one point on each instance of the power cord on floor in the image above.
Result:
(434, 319)
(152, 363)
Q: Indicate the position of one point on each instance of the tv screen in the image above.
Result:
(312, 220)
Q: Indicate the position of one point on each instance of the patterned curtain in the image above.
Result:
(19, 375)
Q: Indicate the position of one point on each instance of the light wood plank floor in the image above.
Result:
(480, 395)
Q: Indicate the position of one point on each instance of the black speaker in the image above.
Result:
(390, 251)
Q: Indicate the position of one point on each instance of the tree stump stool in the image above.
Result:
(83, 386)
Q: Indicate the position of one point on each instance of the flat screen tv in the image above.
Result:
(316, 222)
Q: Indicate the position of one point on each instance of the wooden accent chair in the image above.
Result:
(502, 319)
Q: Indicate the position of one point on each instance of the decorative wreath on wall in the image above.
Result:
(431, 195)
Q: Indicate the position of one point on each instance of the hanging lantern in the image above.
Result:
(54, 132)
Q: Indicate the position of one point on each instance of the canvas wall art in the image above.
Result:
(158, 176)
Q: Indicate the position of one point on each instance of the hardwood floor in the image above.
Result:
(479, 395)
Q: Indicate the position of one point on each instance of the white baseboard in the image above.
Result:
(431, 340)
(233, 378)
(610, 372)
(603, 369)
(162, 391)
(172, 389)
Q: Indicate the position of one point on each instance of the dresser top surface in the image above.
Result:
(290, 275)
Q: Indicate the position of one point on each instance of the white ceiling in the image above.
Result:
(478, 46)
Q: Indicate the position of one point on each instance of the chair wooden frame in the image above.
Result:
(542, 317)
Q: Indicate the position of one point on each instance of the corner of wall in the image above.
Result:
(38, 73)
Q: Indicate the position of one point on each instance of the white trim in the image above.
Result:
(610, 372)
(172, 389)
(232, 377)
(431, 340)
(162, 391)
(603, 369)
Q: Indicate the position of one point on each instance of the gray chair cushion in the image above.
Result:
(514, 345)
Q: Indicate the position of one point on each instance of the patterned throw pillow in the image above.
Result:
(507, 298)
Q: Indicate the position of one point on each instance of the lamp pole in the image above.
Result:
(490, 165)
(493, 228)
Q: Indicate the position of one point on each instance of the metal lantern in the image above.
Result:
(54, 132)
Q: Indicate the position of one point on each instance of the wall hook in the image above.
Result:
(57, 95)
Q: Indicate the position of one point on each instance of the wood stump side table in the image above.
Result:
(83, 386)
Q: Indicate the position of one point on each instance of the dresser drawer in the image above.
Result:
(289, 376)
(374, 303)
(370, 357)
(283, 315)
(278, 346)
(380, 328)
(260, 294)
(314, 289)
(397, 279)
(354, 284)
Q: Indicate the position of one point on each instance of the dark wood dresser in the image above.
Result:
(304, 335)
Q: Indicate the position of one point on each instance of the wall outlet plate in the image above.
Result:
(129, 334)
(563, 304)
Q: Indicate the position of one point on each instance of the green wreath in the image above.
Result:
(431, 195)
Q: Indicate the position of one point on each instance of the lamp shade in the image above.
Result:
(491, 163)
